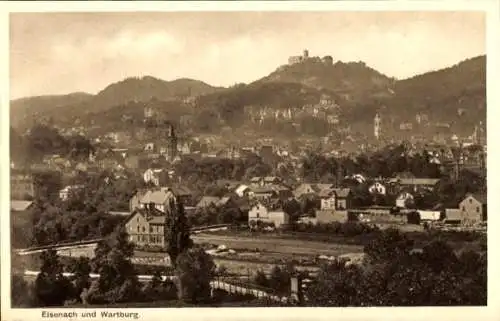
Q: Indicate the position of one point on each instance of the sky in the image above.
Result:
(60, 53)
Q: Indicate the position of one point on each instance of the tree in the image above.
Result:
(176, 235)
(20, 292)
(118, 281)
(389, 244)
(293, 209)
(81, 278)
(51, 287)
(194, 269)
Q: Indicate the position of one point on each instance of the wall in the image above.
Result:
(328, 203)
(331, 216)
(471, 210)
(279, 218)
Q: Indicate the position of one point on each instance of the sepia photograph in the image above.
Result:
(247, 159)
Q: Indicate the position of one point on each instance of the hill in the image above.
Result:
(43, 105)
(147, 88)
(443, 92)
(354, 81)
(65, 108)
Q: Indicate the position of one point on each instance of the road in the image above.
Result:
(271, 244)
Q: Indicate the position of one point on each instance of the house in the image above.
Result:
(473, 209)
(157, 176)
(20, 205)
(242, 190)
(152, 198)
(22, 186)
(403, 199)
(269, 213)
(310, 188)
(207, 201)
(328, 199)
(377, 188)
(263, 193)
(145, 226)
(69, 190)
(343, 198)
(417, 184)
(262, 181)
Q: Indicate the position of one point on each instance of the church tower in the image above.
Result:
(377, 126)
(171, 142)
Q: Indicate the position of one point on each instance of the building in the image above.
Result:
(158, 177)
(145, 226)
(404, 199)
(343, 198)
(269, 213)
(207, 201)
(22, 186)
(172, 143)
(159, 197)
(298, 59)
(377, 188)
(69, 190)
(473, 209)
(311, 188)
(417, 184)
(377, 126)
(263, 181)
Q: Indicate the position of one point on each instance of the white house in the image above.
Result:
(377, 188)
(403, 199)
(66, 192)
(155, 176)
(242, 190)
(268, 214)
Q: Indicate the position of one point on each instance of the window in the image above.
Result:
(150, 229)
(257, 214)
(143, 229)
(463, 208)
(138, 230)
(477, 209)
(470, 200)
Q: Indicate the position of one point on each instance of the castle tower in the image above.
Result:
(306, 54)
(377, 126)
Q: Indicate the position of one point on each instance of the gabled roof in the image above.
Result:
(159, 196)
(342, 192)
(480, 197)
(154, 215)
(207, 200)
(19, 206)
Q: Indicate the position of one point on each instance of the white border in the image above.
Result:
(492, 312)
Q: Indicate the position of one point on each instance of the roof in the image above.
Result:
(325, 192)
(223, 201)
(154, 215)
(270, 178)
(255, 179)
(19, 206)
(418, 181)
(480, 197)
(207, 200)
(265, 189)
(342, 192)
(156, 196)
(240, 189)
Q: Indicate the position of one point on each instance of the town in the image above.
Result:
(287, 172)
(234, 200)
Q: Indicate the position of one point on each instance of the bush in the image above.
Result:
(195, 269)
(261, 279)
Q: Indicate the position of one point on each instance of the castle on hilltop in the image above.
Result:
(328, 60)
